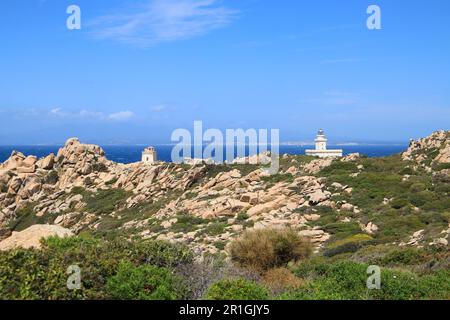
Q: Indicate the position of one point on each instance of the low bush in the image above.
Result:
(41, 274)
(339, 168)
(273, 179)
(420, 198)
(442, 166)
(215, 228)
(349, 244)
(262, 250)
(51, 177)
(237, 289)
(105, 201)
(357, 238)
(347, 280)
(280, 280)
(144, 282)
(399, 203)
(425, 260)
(3, 187)
(242, 216)
(26, 217)
(342, 230)
(99, 167)
(187, 223)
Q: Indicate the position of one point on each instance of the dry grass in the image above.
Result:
(266, 249)
(280, 280)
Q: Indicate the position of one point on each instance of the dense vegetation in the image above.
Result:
(158, 270)
(265, 264)
(113, 269)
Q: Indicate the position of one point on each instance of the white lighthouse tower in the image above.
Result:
(321, 141)
(321, 150)
(149, 155)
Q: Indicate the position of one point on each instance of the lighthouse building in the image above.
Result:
(321, 150)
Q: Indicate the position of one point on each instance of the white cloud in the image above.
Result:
(121, 116)
(159, 108)
(57, 112)
(92, 115)
(157, 21)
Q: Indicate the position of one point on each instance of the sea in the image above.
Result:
(132, 153)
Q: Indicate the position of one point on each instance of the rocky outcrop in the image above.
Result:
(31, 237)
(228, 198)
(315, 166)
(14, 161)
(47, 163)
(432, 149)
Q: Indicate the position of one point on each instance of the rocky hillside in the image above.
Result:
(401, 200)
(430, 151)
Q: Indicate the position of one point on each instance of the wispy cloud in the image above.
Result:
(58, 112)
(159, 108)
(335, 98)
(92, 115)
(121, 116)
(157, 21)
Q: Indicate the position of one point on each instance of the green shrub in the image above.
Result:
(339, 168)
(440, 204)
(417, 187)
(33, 274)
(393, 226)
(99, 167)
(143, 283)
(216, 228)
(51, 178)
(407, 171)
(346, 245)
(242, 216)
(105, 201)
(345, 248)
(275, 178)
(342, 229)
(61, 244)
(26, 217)
(187, 223)
(3, 187)
(41, 274)
(347, 280)
(269, 248)
(78, 190)
(399, 203)
(442, 166)
(420, 198)
(237, 289)
(422, 260)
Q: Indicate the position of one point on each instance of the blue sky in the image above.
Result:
(139, 69)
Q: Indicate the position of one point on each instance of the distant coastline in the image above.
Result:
(132, 153)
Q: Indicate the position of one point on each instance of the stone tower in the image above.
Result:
(149, 155)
